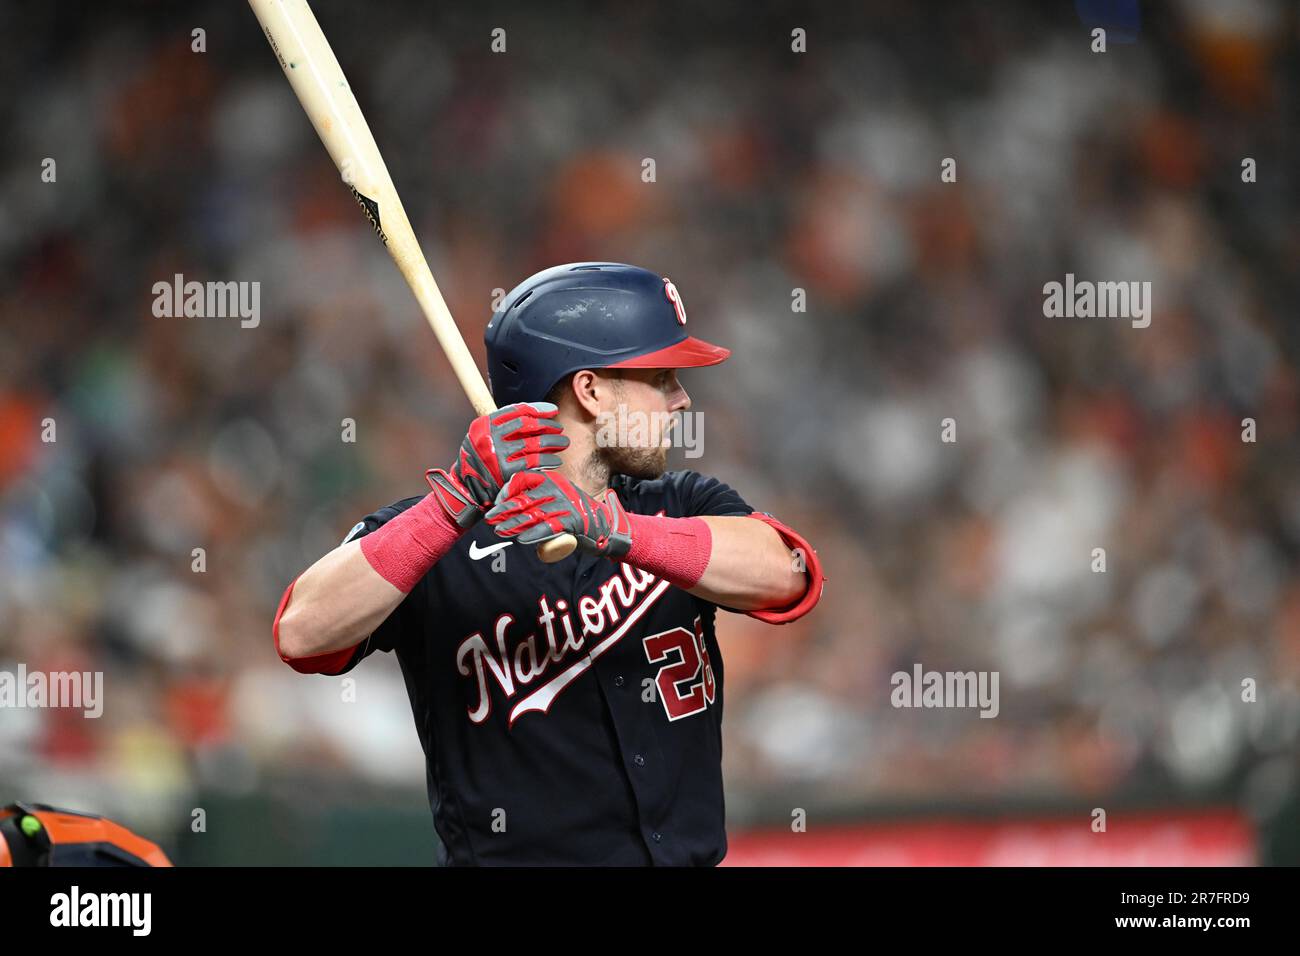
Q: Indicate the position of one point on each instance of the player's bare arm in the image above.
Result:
(750, 566)
(334, 604)
(337, 602)
(741, 563)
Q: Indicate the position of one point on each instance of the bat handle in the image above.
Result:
(557, 549)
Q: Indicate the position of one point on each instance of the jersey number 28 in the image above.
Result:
(685, 681)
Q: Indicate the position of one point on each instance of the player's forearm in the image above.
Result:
(737, 562)
(749, 567)
(335, 604)
(748, 563)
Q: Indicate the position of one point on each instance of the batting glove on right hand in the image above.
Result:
(498, 445)
(535, 506)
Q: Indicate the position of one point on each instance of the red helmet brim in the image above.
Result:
(690, 352)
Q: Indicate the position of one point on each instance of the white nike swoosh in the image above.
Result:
(475, 552)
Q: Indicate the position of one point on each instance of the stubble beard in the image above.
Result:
(642, 463)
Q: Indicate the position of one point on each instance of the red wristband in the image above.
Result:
(403, 549)
(675, 549)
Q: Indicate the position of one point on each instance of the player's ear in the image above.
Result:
(590, 391)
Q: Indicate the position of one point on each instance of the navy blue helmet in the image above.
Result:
(587, 315)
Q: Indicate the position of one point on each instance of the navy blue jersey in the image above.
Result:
(570, 713)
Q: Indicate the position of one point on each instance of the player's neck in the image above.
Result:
(589, 472)
(581, 462)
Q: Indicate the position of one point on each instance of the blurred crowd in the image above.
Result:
(798, 205)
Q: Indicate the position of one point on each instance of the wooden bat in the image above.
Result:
(317, 79)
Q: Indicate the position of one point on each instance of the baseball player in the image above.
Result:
(570, 713)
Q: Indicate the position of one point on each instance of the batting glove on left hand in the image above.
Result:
(498, 445)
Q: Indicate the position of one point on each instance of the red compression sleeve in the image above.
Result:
(675, 549)
(403, 549)
(812, 569)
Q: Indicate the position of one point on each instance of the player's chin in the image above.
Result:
(642, 463)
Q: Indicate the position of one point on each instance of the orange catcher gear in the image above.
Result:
(34, 834)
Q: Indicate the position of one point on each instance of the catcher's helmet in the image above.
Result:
(33, 834)
(587, 315)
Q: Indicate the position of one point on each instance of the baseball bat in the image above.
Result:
(317, 80)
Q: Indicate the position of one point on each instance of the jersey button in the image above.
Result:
(618, 681)
(657, 837)
(639, 760)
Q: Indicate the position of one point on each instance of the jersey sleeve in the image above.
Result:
(702, 495)
(404, 618)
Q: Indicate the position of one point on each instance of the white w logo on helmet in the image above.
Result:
(675, 298)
